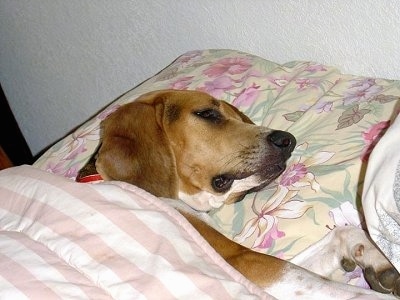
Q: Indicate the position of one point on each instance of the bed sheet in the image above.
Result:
(336, 118)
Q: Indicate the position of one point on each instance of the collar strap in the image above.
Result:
(90, 178)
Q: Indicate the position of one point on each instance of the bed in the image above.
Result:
(112, 240)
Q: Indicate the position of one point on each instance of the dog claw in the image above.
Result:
(387, 281)
(348, 265)
(396, 289)
(372, 279)
(388, 278)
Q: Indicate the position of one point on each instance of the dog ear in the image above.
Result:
(135, 149)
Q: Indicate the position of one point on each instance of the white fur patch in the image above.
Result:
(205, 201)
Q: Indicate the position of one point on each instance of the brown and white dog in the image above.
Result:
(187, 145)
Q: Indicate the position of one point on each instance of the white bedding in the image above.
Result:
(381, 197)
(61, 239)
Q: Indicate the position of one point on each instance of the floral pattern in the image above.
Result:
(371, 136)
(228, 66)
(283, 203)
(337, 119)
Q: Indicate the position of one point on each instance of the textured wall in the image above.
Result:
(61, 61)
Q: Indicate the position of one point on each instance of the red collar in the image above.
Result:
(90, 178)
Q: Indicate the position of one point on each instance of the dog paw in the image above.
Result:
(384, 281)
(378, 271)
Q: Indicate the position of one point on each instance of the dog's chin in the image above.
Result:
(271, 171)
(266, 178)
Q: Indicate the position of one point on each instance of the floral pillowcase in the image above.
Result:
(337, 119)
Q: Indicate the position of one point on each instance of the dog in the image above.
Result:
(189, 146)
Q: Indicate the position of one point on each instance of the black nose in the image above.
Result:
(283, 140)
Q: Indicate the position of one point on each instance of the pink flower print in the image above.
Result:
(293, 174)
(72, 172)
(77, 147)
(188, 56)
(265, 223)
(297, 176)
(278, 82)
(315, 68)
(272, 235)
(361, 91)
(218, 86)
(56, 168)
(306, 83)
(232, 66)
(362, 83)
(75, 144)
(375, 131)
(371, 138)
(59, 168)
(282, 203)
(108, 111)
(280, 254)
(247, 96)
(182, 83)
(323, 106)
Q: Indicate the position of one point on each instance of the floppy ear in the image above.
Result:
(135, 149)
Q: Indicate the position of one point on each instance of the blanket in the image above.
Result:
(381, 197)
(62, 239)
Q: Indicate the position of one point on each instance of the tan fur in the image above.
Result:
(258, 268)
(157, 143)
(163, 143)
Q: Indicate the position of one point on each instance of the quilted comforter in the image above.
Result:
(66, 240)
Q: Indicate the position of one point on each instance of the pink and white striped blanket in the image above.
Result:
(62, 239)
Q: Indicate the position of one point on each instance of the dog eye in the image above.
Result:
(222, 183)
(210, 115)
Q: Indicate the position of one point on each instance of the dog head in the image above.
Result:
(188, 145)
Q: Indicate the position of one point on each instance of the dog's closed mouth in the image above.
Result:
(277, 147)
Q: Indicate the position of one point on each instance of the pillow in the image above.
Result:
(335, 118)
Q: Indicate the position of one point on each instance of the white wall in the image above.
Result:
(61, 61)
